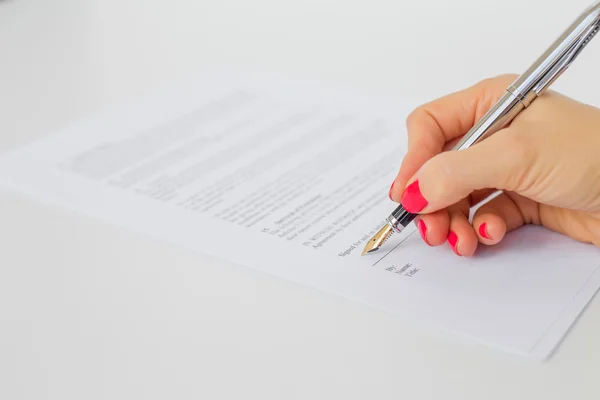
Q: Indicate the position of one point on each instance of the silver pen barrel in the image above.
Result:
(498, 117)
(524, 90)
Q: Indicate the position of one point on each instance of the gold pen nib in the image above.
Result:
(376, 241)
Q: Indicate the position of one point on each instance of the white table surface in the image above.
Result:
(90, 311)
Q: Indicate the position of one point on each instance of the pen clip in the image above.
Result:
(558, 57)
(567, 59)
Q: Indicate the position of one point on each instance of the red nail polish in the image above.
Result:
(453, 241)
(423, 230)
(412, 199)
(391, 188)
(483, 231)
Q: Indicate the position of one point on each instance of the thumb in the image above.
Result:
(501, 162)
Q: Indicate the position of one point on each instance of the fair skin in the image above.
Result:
(547, 162)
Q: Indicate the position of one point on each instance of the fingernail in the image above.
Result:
(423, 230)
(483, 231)
(391, 188)
(453, 241)
(412, 199)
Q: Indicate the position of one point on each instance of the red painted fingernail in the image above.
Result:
(423, 230)
(453, 241)
(483, 231)
(391, 188)
(412, 199)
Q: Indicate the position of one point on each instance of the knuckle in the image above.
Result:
(518, 145)
(500, 80)
(520, 152)
(420, 125)
(440, 177)
(507, 78)
(416, 115)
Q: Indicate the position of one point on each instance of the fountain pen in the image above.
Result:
(518, 96)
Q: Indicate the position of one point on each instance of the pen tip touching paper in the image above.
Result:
(376, 241)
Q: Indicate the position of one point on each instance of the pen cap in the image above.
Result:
(560, 54)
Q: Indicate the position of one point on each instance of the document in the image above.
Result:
(292, 180)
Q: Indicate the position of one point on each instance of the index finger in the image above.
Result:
(432, 125)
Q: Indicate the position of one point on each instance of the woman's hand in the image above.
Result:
(547, 162)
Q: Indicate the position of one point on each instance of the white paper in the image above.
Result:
(292, 181)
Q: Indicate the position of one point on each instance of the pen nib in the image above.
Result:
(376, 241)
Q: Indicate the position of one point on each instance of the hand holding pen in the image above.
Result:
(544, 155)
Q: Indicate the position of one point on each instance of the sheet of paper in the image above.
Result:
(292, 180)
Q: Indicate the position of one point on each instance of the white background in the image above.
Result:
(91, 311)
